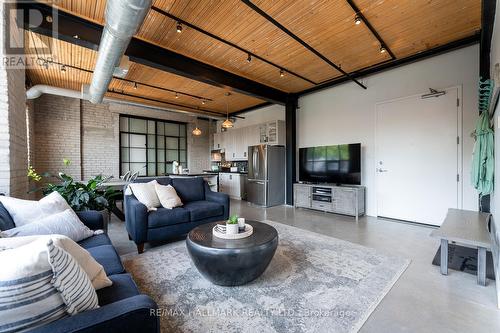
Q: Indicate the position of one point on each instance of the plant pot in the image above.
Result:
(231, 229)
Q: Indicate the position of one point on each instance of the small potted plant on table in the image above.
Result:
(232, 225)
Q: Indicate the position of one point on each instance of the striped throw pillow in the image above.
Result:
(27, 297)
(71, 281)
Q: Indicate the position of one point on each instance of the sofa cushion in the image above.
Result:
(106, 255)
(163, 217)
(200, 210)
(6, 221)
(97, 240)
(123, 287)
(189, 189)
(164, 181)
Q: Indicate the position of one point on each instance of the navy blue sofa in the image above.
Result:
(200, 205)
(122, 308)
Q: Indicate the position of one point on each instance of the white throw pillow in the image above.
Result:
(146, 194)
(168, 196)
(29, 286)
(27, 211)
(65, 223)
(94, 270)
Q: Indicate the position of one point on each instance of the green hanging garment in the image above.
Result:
(483, 163)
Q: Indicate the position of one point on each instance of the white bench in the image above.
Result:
(467, 228)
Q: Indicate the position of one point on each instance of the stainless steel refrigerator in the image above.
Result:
(266, 175)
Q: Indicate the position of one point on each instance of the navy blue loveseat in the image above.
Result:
(200, 205)
(122, 308)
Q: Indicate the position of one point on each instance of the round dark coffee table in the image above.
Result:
(232, 262)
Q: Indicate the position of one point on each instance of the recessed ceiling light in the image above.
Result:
(179, 27)
(357, 20)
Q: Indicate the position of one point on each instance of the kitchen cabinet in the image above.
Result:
(217, 144)
(233, 184)
(272, 133)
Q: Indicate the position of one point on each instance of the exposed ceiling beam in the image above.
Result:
(396, 63)
(371, 28)
(488, 8)
(298, 39)
(76, 30)
(222, 40)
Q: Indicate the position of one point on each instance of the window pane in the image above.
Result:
(124, 154)
(124, 140)
(138, 125)
(124, 124)
(151, 141)
(161, 168)
(169, 168)
(151, 169)
(160, 128)
(134, 167)
(151, 127)
(183, 157)
(160, 142)
(172, 143)
(151, 155)
(125, 168)
(172, 155)
(137, 141)
(171, 129)
(182, 130)
(137, 155)
(182, 143)
(161, 155)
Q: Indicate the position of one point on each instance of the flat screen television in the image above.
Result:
(338, 164)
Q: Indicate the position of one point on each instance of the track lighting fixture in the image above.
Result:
(249, 58)
(179, 27)
(382, 49)
(357, 19)
(176, 95)
(63, 68)
(135, 85)
(203, 102)
(282, 73)
(46, 64)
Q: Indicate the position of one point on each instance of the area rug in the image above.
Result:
(314, 283)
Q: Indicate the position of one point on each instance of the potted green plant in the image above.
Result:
(81, 196)
(232, 225)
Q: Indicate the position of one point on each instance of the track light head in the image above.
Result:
(179, 27)
(357, 19)
(176, 95)
(63, 68)
(382, 49)
(249, 58)
(282, 73)
(203, 102)
(135, 85)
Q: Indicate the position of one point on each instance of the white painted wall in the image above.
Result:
(346, 113)
(262, 115)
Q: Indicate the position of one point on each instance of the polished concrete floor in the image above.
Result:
(422, 300)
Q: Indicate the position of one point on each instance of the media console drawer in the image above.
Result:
(320, 205)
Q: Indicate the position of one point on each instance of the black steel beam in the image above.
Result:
(371, 28)
(222, 40)
(251, 108)
(488, 8)
(291, 145)
(89, 35)
(390, 64)
(298, 39)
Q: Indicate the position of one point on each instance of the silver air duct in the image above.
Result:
(40, 89)
(123, 19)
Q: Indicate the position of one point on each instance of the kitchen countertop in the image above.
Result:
(239, 172)
(211, 173)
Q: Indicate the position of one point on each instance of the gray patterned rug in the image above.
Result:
(314, 283)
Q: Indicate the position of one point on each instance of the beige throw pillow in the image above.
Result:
(94, 270)
(168, 196)
(146, 194)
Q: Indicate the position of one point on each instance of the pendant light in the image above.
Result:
(227, 123)
(196, 131)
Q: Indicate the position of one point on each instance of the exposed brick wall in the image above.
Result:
(70, 128)
(57, 135)
(13, 135)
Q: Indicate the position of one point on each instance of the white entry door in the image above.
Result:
(418, 153)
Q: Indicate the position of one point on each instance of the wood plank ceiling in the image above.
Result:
(407, 27)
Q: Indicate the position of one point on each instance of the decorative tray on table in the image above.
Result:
(219, 231)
